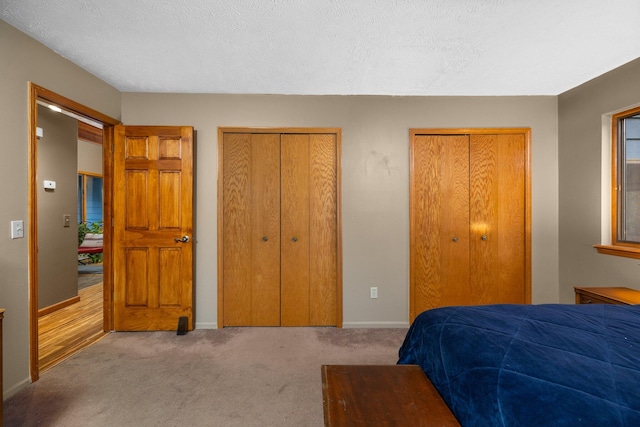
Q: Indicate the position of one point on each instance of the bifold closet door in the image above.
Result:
(280, 229)
(251, 209)
(470, 216)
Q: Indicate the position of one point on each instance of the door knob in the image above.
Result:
(295, 239)
(184, 239)
(264, 239)
(455, 239)
(484, 237)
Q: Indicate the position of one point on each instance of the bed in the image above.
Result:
(532, 365)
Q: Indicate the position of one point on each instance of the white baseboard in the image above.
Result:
(206, 325)
(375, 324)
(214, 325)
(16, 388)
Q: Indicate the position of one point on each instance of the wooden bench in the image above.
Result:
(381, 395)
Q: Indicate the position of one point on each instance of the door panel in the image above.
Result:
(454, 217)
(265, 223)
(483, 217)
(251, 232)
(295, 230)
(153, 190)
(136, 199)
(170, 200)
(323, 235)
(498, 212)
(440, 221)
(512, 219)
(237, 231)
(137, 271)
(171, 266)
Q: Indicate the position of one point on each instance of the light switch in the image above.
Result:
(17, 229)
(66, 220)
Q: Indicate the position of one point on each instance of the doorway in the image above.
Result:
(39, 94)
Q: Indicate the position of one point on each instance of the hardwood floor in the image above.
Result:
(70, 329)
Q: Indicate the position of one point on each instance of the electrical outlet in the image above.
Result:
(374, 292)
(66, 220)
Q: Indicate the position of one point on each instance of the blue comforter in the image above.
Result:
(532, 365)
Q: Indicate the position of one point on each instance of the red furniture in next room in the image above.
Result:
(92, 244)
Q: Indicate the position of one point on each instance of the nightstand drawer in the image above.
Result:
(611, 295)
(592, 299)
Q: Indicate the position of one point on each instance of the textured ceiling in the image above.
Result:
(386, 47)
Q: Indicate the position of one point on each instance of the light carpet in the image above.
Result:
(224, 377)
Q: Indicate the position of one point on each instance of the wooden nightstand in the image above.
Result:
(607, 296)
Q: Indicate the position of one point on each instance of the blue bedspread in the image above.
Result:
(532, 365)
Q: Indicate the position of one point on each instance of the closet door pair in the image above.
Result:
(470, 217)
(279, 240)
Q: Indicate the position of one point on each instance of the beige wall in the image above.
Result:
(375, 180)
(581, 112)
(22, 59)
(89, 157)
(57, 244)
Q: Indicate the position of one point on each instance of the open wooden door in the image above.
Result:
(153, 227)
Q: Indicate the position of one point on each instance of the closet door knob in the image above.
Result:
(264, 239)
(455, 239)
(295, 239)
(484, 237)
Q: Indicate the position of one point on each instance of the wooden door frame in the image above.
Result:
(338, 133)
(527, 216)
(40, 93)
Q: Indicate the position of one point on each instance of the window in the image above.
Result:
(627, 203)
(625, 192)
(89, 198)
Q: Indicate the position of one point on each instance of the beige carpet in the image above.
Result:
(225, 377)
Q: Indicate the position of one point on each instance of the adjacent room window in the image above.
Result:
(626, 176)
(89, 198)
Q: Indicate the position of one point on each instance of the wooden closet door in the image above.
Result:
(251, 232)
(439, 222)
(470, 217)
(497, 218)
(279, 228)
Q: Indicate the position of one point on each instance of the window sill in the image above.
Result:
(624, 251)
